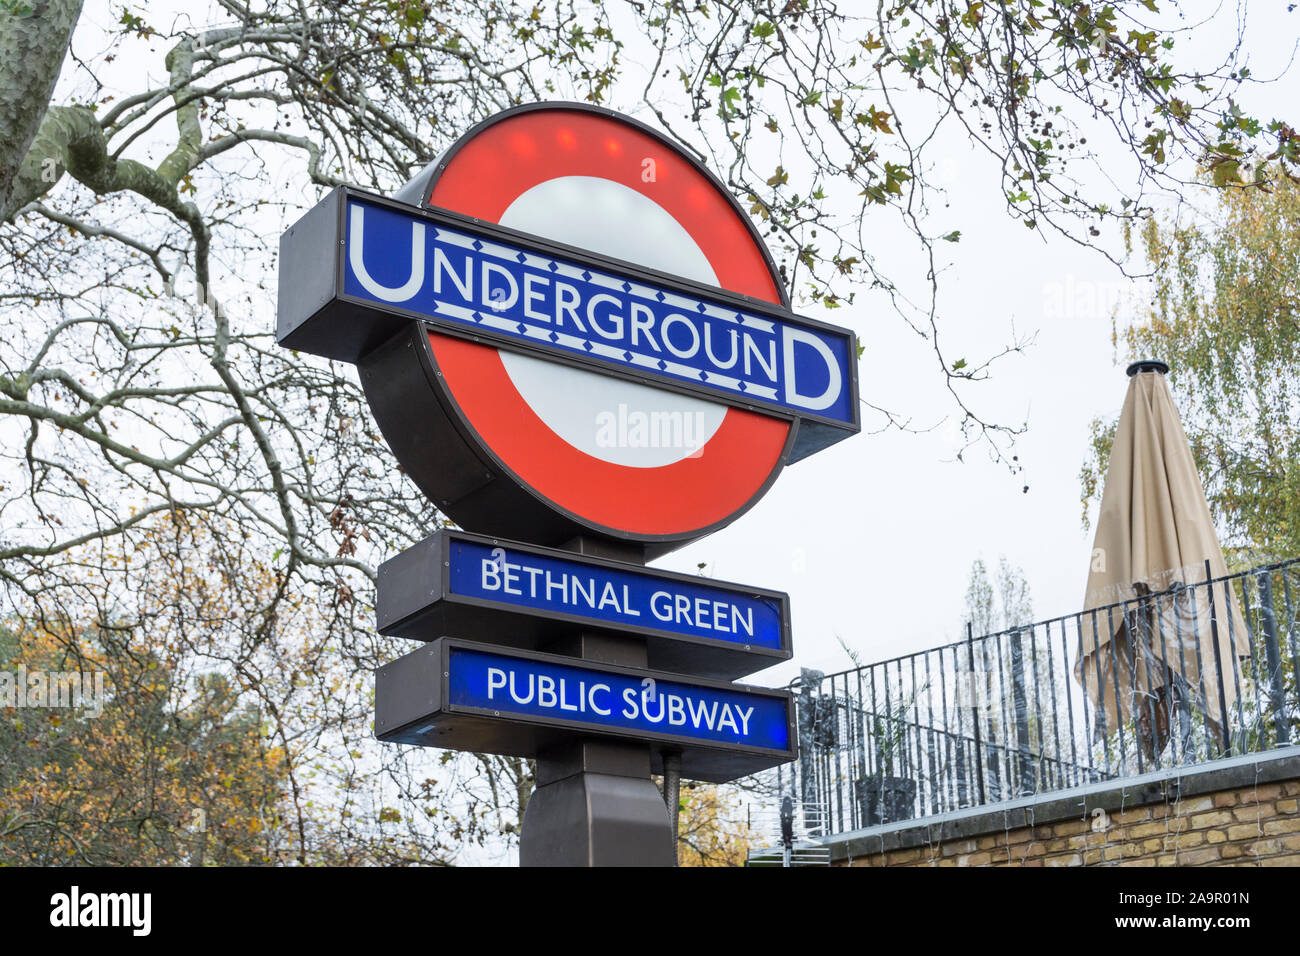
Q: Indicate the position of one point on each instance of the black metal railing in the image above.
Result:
(1178, 677)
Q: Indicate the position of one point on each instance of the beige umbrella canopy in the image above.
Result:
(1146, 660)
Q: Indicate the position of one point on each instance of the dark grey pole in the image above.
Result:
(595, 802)
(1218, 657)
(787, 830)
(1020, 703)
(976, 714)
(809, 720)
(1277, 685)
(673, 795)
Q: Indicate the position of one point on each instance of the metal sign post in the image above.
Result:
(579, 348)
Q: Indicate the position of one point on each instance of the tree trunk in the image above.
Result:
(32, 48)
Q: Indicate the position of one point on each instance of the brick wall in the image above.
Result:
(1242, 813)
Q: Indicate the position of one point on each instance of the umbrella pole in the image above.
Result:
(1277, 686)
(1218, 661)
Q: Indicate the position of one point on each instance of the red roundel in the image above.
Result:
(624, 457)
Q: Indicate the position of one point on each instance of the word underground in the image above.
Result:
(75, 908)
(576, 592)
(678, 711)
(559, 305)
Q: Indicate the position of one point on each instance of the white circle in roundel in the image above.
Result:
(609, 418)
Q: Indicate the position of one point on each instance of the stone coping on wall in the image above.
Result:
(1077, 803)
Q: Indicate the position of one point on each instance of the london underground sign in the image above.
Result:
(608, 350)
(579, 348)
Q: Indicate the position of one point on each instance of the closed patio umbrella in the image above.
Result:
(1148, 654)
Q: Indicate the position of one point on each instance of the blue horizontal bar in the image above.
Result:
(592, 697)
(611, 596)
(398, 259)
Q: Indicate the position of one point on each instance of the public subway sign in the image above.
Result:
(453, 582)
(494, 284)
(462, 690)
